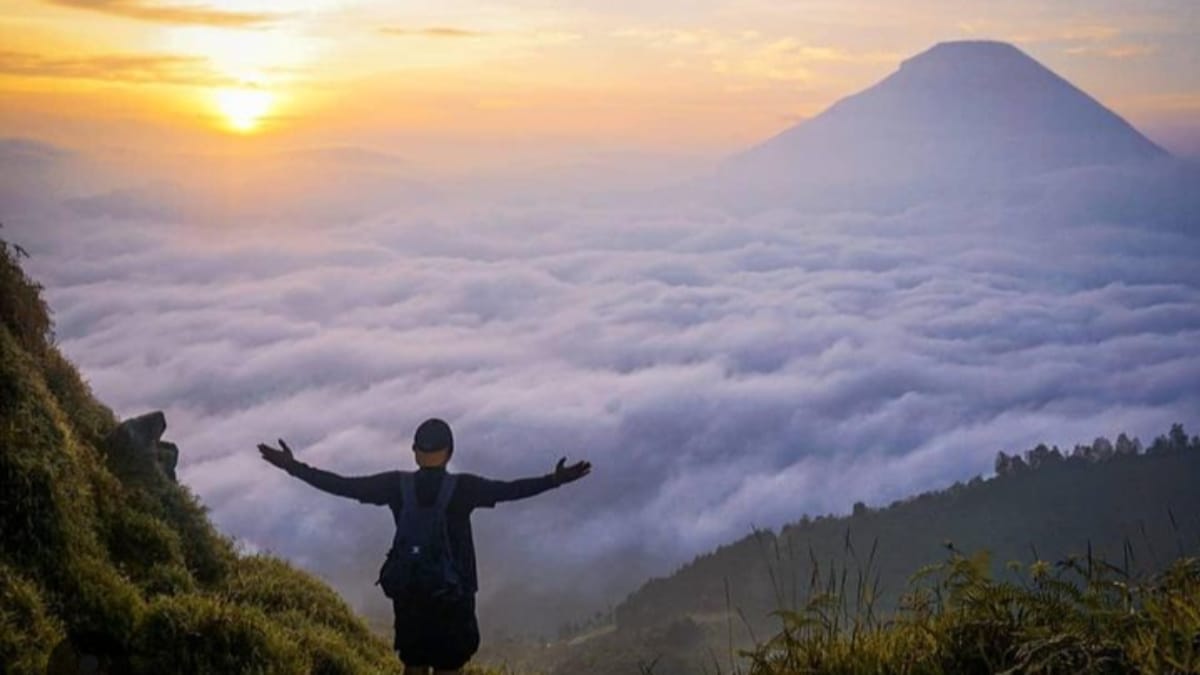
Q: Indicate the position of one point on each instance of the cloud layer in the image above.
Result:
(720, 371)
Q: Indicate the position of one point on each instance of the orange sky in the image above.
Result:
(703, 77)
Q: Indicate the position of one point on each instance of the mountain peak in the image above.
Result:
(958, 111)
(984, 61)
(981, 51)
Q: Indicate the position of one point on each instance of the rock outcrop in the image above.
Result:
(138, 443)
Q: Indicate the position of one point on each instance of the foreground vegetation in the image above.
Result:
(110, 558)
(1079, 615)
(1076, 616)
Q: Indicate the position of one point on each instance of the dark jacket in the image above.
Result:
(470, 493)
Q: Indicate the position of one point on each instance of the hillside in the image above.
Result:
(1147, 500)
(105, 555)
(1136, 509)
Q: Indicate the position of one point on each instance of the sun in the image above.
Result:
(244, 109)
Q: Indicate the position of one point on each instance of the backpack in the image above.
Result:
(420, 565)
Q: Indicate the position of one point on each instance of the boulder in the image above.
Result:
(136, 445)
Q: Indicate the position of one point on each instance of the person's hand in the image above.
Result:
(280, 458)
(566, 474)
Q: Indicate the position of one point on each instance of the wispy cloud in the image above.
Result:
(748, 53)
(1086, 33)
(1061, 32)
(149, 10)
(1078, 39)
(432, 32)
(133, 68)
(1121, 51)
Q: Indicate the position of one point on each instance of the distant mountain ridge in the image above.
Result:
(956, 113)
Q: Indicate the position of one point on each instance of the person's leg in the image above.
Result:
(409, 639)
(459, 636)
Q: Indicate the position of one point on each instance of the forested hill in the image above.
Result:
(105, 555)
(1105, 503)
(1136, 508)
(1085, 560)
(1077, 513)
(1107, 515)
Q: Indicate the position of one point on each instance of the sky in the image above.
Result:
(327, 221)
(449, 84)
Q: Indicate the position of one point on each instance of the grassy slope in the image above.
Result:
(1078, 616)
(125, 562)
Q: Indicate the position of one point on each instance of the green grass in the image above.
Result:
(27, 629)
(1076, 616)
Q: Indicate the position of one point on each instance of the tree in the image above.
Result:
(1102, 449)
(1126, 447)
(1003, 464)
(1018, 465)
(1043, 456)
(1177, 437)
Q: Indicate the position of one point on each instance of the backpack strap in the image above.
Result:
(408, 490)
(446, 491)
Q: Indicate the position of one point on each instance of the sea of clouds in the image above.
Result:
(721, 369)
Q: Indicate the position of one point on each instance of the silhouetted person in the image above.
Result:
(430, 571)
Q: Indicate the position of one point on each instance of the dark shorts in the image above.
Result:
(443, 635)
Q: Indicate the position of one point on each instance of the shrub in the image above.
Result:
(209, 555)
(202, 634)
(91, 420)
(313, 613)
(92, 598)
(1074, 617)
(27, 631)
(275, 587)
(22, 309)
(137, 541)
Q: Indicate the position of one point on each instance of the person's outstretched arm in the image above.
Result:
(375, 489)
(490, 492)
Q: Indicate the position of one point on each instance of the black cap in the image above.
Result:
(433, 435)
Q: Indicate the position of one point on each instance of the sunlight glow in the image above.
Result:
(243, 109)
